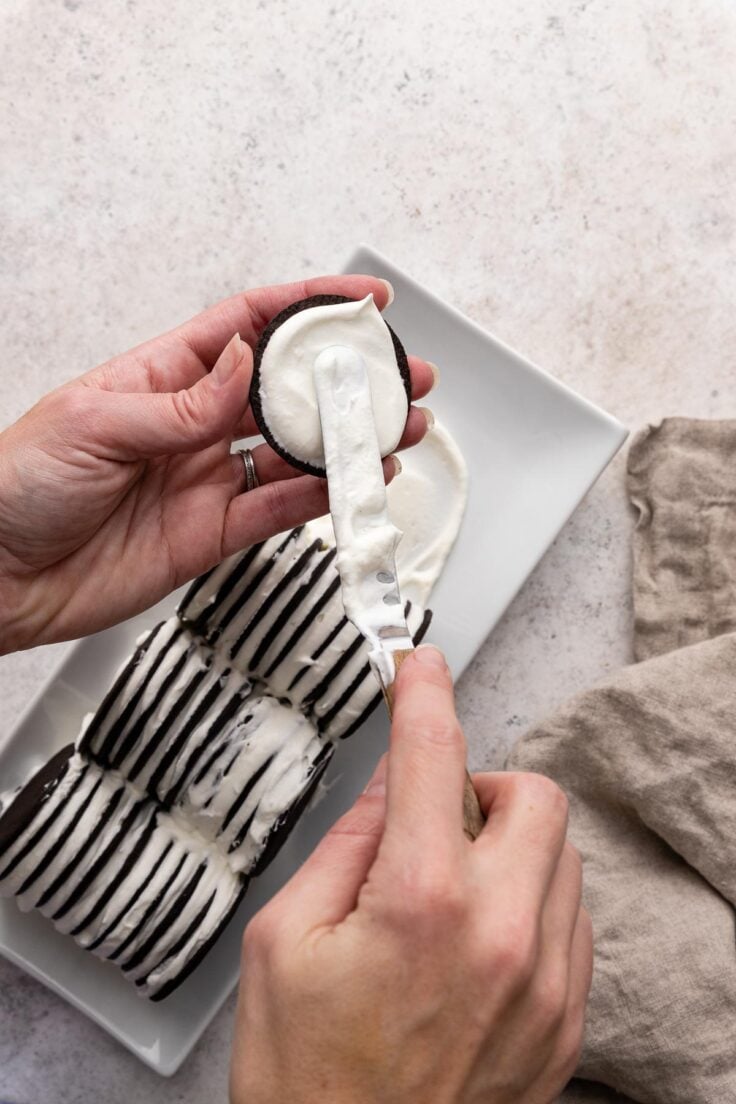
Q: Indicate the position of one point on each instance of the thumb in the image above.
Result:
(325, 889)
(138, 426)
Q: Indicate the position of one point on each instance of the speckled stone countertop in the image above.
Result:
(562, 172)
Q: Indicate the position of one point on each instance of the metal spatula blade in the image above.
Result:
(366, 538)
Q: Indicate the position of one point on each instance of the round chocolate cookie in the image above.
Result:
(32, 796)
(168, 988)
(282, 393)
(281, 830)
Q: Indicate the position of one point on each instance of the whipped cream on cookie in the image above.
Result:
(286, 382)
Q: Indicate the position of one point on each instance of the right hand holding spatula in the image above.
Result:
(404, 963)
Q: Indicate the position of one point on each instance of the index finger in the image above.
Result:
(249, 312)
(426, 763)
(180, 357)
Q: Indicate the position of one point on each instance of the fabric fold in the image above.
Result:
(648, 760)
(682, 483)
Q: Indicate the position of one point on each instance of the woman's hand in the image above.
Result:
(120, 486)
(403, 963)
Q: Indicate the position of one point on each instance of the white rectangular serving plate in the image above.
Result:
(533, 449)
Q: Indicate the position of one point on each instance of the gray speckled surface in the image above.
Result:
(563, 173)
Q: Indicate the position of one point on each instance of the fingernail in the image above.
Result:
(397, 464)
(228, 361)
(429, 656)
(435, 375)
(389, 292)
(375, 789)
(428, 415)
(377, 784)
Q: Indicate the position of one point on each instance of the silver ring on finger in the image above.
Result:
(251, 479)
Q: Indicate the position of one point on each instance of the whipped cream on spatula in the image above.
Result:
(365, 536)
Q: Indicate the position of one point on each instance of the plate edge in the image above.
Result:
(375, 255)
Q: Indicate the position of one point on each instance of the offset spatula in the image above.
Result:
(365, 536)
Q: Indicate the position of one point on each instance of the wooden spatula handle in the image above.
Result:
(473, 819)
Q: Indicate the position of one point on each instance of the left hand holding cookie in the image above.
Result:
(120, 486)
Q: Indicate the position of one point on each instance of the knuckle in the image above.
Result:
(512, 955)
(259, 936)
(430, 902)
(268, 949)
(443, 902)
(274, 505)
(542, 792)
(186, 408)
(441, 731)
(550, 1001)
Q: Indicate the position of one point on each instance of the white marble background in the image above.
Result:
(562, 172)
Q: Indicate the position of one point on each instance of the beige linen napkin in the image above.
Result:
(648, 759)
